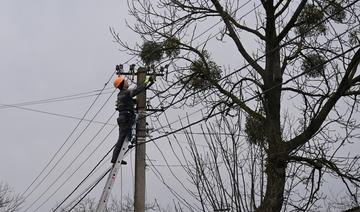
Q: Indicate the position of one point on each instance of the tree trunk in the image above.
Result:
(275, 171)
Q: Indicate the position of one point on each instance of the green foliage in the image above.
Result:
(201, 72)
(313, 65)
(255, 130)
(309, 21)
(151, 52)
(171, 47)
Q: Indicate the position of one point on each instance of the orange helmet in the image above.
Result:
(118, 81)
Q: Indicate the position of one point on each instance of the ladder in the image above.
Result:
(81, 195)
(111, 179)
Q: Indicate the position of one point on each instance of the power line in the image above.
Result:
(56, 99)
(84, 179)
(101, 160)
(72, 132)
(66, 140)
(84, 191)
(66, 151)
(90, 190)
(86, 176)
(176, 194)
(53, 114)
(72, 162)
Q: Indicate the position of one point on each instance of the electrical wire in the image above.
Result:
(85, 190)
(72, 162)
(91, 172)
(72, 132)
(127, 151)
(101, 159)
(89, 190)
(178, 196)
(56, 99)
(56, 153)
(83, 180)
(54, 114)
(66, 151)
(66, 140)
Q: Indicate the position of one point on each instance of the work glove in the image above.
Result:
(148, 79)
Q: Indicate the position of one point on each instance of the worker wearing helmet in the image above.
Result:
(125, 106)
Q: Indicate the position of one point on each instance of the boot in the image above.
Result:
(122, 162)
(132, 143)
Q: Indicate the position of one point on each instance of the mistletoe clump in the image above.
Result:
(202, 73)
(171, 47)
(313, 65)
(310, 21)
(255, 130)
(335, 11)
(151, 52)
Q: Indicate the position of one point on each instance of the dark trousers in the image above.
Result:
(125, 122)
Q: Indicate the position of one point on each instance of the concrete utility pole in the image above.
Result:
(140, 178)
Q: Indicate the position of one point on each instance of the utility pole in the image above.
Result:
(140, 177)
(140, 150)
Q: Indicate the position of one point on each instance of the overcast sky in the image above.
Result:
(52, 49)
(60, 48)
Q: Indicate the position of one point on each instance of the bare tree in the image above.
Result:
(296, 93)
(9, 201)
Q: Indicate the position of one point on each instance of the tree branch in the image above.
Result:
(255, 32)
(233, 35)
(316, 123)
(292, 21)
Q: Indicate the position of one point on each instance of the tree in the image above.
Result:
(9, 202)
(298, 84)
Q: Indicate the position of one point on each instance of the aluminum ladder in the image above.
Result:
(111, 179)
